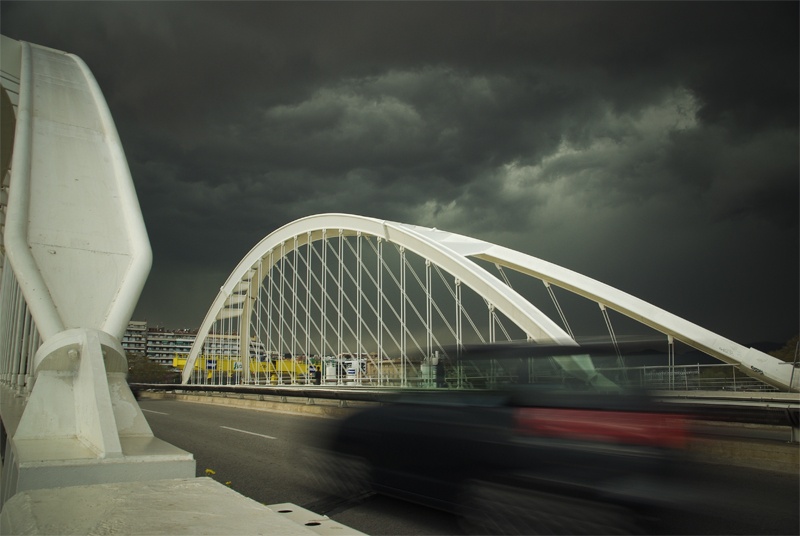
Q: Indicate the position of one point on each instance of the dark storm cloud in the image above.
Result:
(653, 146)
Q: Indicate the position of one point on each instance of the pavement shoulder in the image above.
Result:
(163, 507)
(770, 455)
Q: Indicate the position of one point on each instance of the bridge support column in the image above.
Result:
(81, 424)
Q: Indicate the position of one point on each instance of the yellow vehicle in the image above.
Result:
(278, 370)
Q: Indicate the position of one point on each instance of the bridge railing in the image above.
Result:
(700, 377)
(469, 375)
(19, 338)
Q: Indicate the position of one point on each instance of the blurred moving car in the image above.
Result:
(521, 459)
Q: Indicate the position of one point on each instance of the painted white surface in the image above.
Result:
(81, 393)
(74, 235)
(143, 508)
(77, 245)
(321, 525)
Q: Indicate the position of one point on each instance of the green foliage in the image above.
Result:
(143, 370)
(787, 353)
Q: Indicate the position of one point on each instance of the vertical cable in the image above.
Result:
(271, 364)
(226, 349)
(259, 338)
(671, 361)
(308, 308)
(403, 329)
(428, 312)
(294, 314)
(359, 319)
(323, 296)
(459, 345)
(281, 319)
(339, 309)
(212, 372)
(490, 307)
(379, 268)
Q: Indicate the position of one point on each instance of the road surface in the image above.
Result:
(263, 455)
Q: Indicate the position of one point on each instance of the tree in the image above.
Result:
(788, 353)
(143, 370)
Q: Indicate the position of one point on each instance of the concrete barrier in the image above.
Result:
(331, 409)
(765, 454)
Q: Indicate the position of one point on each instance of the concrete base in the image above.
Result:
(171, 507)
(67, 461)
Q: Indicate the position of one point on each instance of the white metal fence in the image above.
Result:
(19, 338)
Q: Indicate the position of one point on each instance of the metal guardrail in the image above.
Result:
(698, 377)
(706, 377)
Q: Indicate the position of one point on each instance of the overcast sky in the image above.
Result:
(651, 146)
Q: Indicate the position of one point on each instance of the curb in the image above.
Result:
(318, 408)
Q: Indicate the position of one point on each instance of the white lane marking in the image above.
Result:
(151, 411)
(246, 432)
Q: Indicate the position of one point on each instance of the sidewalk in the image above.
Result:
(163, 507)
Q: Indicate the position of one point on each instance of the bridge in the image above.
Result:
(389, 301)
(397, 299)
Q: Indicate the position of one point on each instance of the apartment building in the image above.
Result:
(163, 344)
(135, 339)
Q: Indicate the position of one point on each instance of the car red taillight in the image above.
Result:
(650, 429)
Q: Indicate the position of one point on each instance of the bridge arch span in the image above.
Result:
(238, 298)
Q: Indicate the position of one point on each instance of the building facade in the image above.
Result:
(135, 339)
(162, 344)
(158, 344)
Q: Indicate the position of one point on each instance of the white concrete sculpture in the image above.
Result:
(80, 255)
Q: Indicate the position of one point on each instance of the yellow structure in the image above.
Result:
(277, 370)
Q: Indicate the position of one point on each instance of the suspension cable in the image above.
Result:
(505, 278)
(558, 308)
(611, 332)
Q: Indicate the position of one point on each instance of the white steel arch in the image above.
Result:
(452, 252)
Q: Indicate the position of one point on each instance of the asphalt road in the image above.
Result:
(265, 456)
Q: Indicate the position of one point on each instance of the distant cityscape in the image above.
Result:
(163, 345)
(158, 344)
